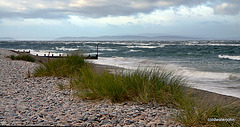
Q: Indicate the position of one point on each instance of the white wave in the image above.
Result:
(229, 57)
(135, 50)
(106, 49)
(211, 81)
(128, 63)
(107, 42)
(216, 89)
(142, 46)
(88, 47)
(91, 53)
(99, 48)
(224, 44)
(162, 45)
(66, 49)
(208, 44)
(213, 76)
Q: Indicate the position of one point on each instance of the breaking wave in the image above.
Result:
(229, 57)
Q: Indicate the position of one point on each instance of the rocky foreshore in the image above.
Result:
(38, 101)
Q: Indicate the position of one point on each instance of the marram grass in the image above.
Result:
(22, 57)
(62, 67)
(155, 85)
(99, 86)
(199, 112)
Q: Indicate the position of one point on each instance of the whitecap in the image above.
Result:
(229, 57)
(66, 49)
(106, 49)
(208, 44)
(135, 50)
(138, 46)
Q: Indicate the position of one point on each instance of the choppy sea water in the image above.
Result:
(208, 65)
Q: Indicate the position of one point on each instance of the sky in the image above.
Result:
(50, 19)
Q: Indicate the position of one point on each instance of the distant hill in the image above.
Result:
(125, 38)
(6, 39)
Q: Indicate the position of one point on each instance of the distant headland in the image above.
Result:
(6, 39)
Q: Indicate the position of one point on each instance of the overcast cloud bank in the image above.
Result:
(49, 9)
(49, 19)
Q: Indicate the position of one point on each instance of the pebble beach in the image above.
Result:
(38, 101)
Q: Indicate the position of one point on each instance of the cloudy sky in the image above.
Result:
(50, 19)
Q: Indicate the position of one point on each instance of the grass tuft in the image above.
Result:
(199, 112)
(22, 57)
(142, 86)
(62, 67)
(99, 86)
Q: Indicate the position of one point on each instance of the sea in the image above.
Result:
(211, 65)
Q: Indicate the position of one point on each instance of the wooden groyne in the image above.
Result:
(49, 55)
(61, 56)
(24, 51)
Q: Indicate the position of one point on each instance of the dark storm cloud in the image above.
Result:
(41, 13)
(100, 8)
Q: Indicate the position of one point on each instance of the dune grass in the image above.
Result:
(62, 67)
(200, 112)
(99, 86)
(144, 86)
(22, 57)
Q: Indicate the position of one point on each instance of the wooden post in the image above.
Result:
(97, 52)
(48, 56)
